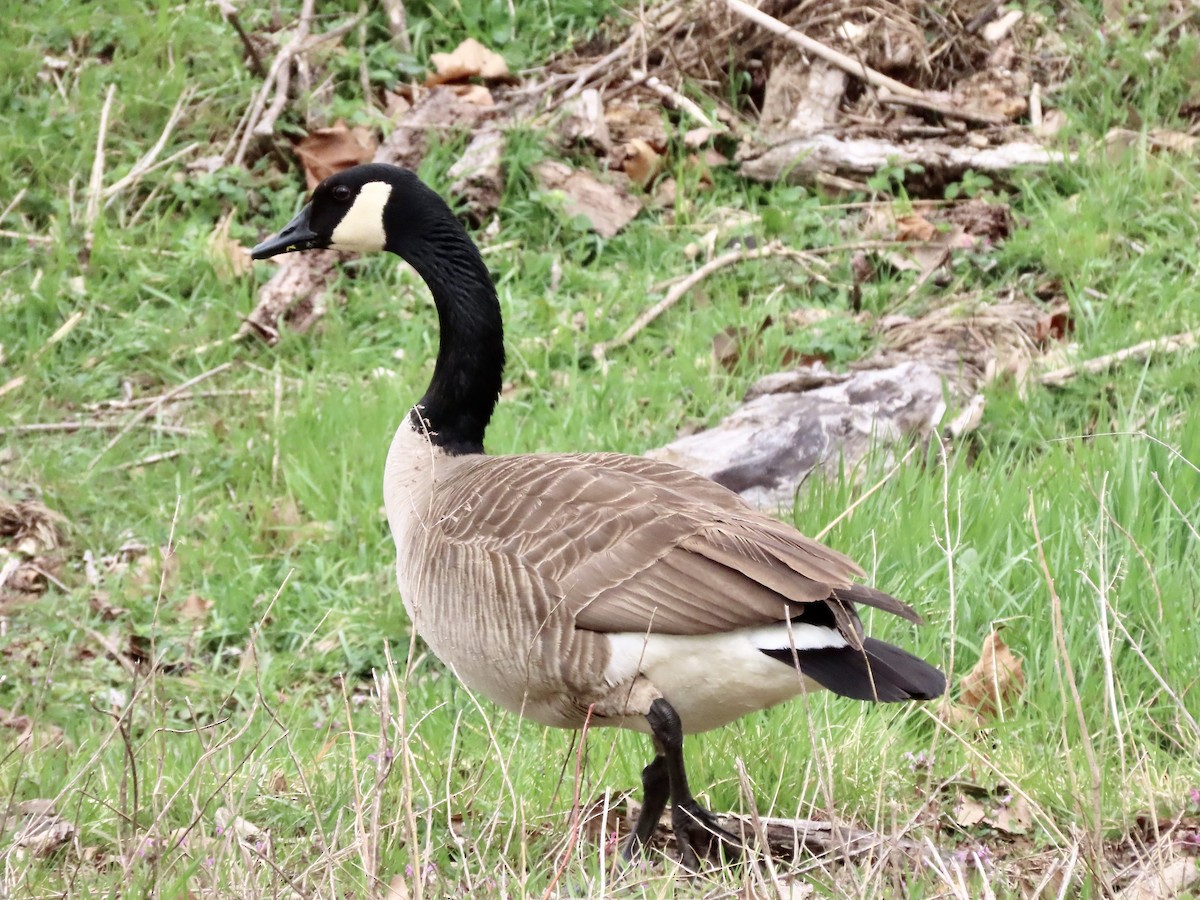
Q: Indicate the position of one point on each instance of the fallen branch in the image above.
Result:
(816, 48)
(1177, 343)
(153, 407)
(677, 291)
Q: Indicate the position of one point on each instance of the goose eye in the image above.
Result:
(341, 193)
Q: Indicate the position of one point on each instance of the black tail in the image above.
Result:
(878, 671)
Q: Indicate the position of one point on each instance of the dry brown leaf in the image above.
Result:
(30, 736)
(42, 835)
(229, 258)
(195, 607)
(474, 94)
(468, 60)
(397, 888)
(996, 682)
(915, 227)
(607, 208)
(395, 105)
(325, 151)
(642, 162)
(1013, 817)
(100, 605)
(968, 811)
(726, 347)
(627, 120)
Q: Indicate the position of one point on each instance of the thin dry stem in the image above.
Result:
(816, 48)
(96, 183)
(153, 407)
(678, 290)
(1176, 343)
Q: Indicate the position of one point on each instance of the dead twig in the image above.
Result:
(75, 425)
(675, 98)
(146, 163)
(151, 459)
(135, 402)
(678, 290)
(96, 183)
(153, 407)
(398, 23)
(277, 80)
(32, 238)
(230, 14)
(816, 48)
(1176, 343)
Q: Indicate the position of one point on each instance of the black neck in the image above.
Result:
(462, 394)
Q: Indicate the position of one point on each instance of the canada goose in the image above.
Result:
(590, 586)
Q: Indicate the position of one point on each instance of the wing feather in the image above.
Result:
(634, 545)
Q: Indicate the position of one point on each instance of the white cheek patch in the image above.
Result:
(362, 227)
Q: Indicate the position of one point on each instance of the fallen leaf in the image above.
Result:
(43, 835)
(325, 151)
(642, 162)
(474, 94)
(606, 207)
(726, 347)
(915, 227)
(1013, 817)
(695, 138)
(996, 681)
(229, 258)
(104, 609)
(968, 811)
(468, 60)
(397, 888)
(195, 607)
(627, 120)
(244, 829)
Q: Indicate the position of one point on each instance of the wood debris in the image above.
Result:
(477, 177)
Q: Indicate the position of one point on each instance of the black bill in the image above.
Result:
(296, 235)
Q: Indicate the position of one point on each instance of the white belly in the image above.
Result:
(712, 679)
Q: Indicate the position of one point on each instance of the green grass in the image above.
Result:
(266, 706)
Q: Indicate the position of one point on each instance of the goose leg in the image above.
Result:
(656, 787)
(696, 829)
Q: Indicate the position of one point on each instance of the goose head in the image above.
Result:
(365, 209)
(381, 207)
